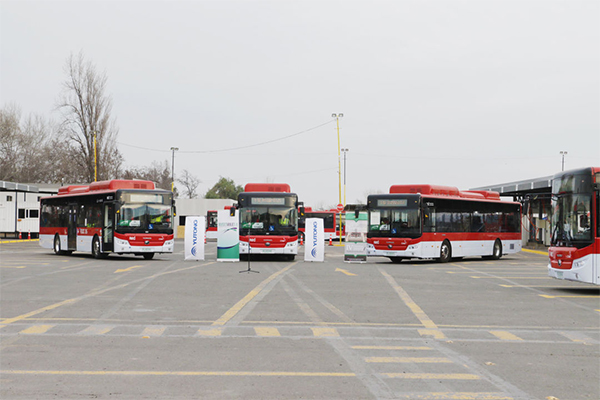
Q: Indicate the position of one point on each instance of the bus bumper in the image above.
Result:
(123, 246)
(289, 248)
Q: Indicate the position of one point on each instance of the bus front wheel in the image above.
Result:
(56, 246)
(148, 256)
(96, 250)
(497, 252)
(445, 252)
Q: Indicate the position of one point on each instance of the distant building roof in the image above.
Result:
(519, 188)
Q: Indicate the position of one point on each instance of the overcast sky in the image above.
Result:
(459, 93)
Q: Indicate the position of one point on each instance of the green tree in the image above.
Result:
(224, 189)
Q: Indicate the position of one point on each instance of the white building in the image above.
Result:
(20, 208)
(197, 207)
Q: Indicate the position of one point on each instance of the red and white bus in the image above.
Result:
(211, 224)
(268, 220)
(441, 222)
(117, 216)
(331, 222)
(575, 245)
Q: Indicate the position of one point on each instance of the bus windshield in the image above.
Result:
(571, 220)
(395, 217)
(269, 220)
(147, 213)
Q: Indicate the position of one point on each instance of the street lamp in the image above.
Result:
(337, 118)
(345, 151)
(173, 150)
(563, 154)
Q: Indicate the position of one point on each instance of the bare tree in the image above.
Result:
(159, 173)
(87, 114)
(190, 184)
(10, 131)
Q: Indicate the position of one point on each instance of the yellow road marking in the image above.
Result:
(578, 297)
(505, 335)
(343, 271)
(209, 332)
(511, 277)
(37, 329)
(420, 360)
(262, 331)
(15, 267)
(242, 303)
(456, 396)
(434, 333)
(391, 348)
(154, 331)
(325, 332)
(431, 376)
(92, 294)
(416, 310)
(128, 269)
(184, 373)
(96, 330)
(544, 253)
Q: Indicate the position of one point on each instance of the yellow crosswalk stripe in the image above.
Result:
(36, 329)
(263, 331)
(325, 332)
(209, 332)
(505, 335)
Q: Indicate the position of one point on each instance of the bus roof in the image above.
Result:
(111, 185)
(448, 191)
(267, 187)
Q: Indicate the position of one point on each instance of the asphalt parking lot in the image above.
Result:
(128, 328)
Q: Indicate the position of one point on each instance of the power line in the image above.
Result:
(232, 148)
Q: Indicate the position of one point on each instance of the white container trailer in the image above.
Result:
(19, 209)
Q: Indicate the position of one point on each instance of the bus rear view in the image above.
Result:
(268, 220)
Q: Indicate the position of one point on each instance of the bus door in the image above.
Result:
(108, 227)
(72, 227)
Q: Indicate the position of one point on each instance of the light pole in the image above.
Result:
(563, 154)
(95, 159)
(173, 150)
(337, 118)
(345, 151)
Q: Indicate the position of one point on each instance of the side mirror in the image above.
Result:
(232, 210)
(356, 213)
(525, 207)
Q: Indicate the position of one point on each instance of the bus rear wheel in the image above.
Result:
(445, 252)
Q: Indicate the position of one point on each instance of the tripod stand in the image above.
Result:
(249, 253)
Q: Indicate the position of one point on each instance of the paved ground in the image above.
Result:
(127, 328)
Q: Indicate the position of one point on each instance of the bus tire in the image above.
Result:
(497, 252)
(396, 260)
(56, 246)
(445, 252)
(96, 249)
(148, 256)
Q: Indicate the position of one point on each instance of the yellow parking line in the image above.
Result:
(409, 375)
(418, 360)
(268, 332)
(434, 333)
(455, 396)
(416, 310)
(325, 332)
(505, 335)
(96, 330)
(183, 373)
(544, 253)
(242, 303)
(154, 331)
(510, 277)
(209, 332)
(37, 329)
(391, 348)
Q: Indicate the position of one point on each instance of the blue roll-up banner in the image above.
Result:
(228, 236)
(195, 229)
(314, 240)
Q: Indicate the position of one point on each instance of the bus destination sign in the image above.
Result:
(392, 203)
(267, 201)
